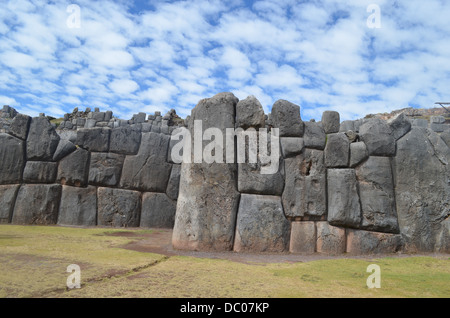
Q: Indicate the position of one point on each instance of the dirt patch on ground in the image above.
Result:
(159, 241)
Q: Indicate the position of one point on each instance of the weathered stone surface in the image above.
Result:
(173, 185)
(105, 168)
(8, 195)
(65, 147)
(73, 169)
(437, 127)
(358, 153)
(347, 125)
(208, 197)
(118, 208)
(343, 200)
(437, 119)
(422, 191)
(376, 191)
(20, 126)
(366, 242)
(249, 113)
(445, 136)
(12, 159)
(305, 186)
(291, 146)
(420, 122)
(378, 137)
(352, 136)
(94, 139)
(330, 239)
(303, 237)
(37, 204)
(330, 122)
(286, 116)
(125, 140)
(98, 116)
(78, 206)
(148, 170)
(70, 135)
(42, 140)
(158, 210)
(337, 151)
(251, 180)
(400, 125)
(139, 118)
(90, 123)
(314, 136)
(261, 225)
(40, 172)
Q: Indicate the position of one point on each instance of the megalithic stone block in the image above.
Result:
(249, 113)
(286, 116)
(8, 195)
(40, 172)
(303, 237)
(42, 140)
(378, 136)
(12, 159)
(330, 121)
(158, 210)
(330, 239)
(105, 168)
(73, 169)
(208, 197)
(337, 151)
(78, 206)
(118, 208)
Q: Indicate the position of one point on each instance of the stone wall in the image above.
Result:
(362, 186)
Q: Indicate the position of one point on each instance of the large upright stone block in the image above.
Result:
(379, 137)
(305, 186)
(314, 136)
(105, 168)
(208, 197)
(94, 139)
(12, 159)
(42, 140)
(330, 239)
(173, 186)
(78, 206)
(343, 199)
(158, 211)
(400, 125)
(261, 225)
(20, 126)
(376, 191)
(303, 237)
(251, 180)
(37, 204)
(337, 151)
(8, 195)
(125, 140)
(286, 116)
(330, 121)
(422, 192)
(40, 172)
(118, 208)
(249, 113)
(73, 169)
(149, 169)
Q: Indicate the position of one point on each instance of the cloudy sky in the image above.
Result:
(132, 56)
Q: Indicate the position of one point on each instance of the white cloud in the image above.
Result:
(124, 86)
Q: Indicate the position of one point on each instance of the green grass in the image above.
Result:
(34, 259)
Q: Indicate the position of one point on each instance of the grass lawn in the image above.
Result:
(34, 261)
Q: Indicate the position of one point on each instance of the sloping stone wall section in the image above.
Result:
(360, 187)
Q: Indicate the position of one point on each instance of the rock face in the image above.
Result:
(94, 139)
(42, 140)
(249, 113)
(40, 172)
(303, 237)
(20, 126)
(208, 197)
(337, 151)
(125, 140)
(37, 204)
(158, 210)
(7, 199)
(105, 168)
(12, 159)
(73, 169)
(286, 116)
(314, 136)
(78, 206)
(118, 208)
(422, 191)
(261, 225)
(379, 137)
(330, 239)
(330, 122)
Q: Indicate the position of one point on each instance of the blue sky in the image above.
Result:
(133, 56)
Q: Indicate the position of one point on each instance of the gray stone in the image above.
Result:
(376, 191)
(68, 125)
(347, 125)
(378, 137)
(314, 136)
(65, 147)
(42, 140)
(208, 197)
(352, 136)
(366, 242)
(437, 127)
(108, 115)
(98, 116)
(420, 122)
(358, 153)
(305, 186)
(125, 140)
(140, 117)
(12, 159)
(291, 146)
(37, 204)
(20, 126)
(8, 195)
(90, 123)
(94, 139)
(249, 113)
(78, 206)
(343, 200)
(422, 192)
(158, 211)
(337, 151)
(105, 168)
(149, 169)
(40, 172)
(70, 135)
(73, 169)
(445, 136)
(118, 208)
(400, 125)
(330, 121)
(252, 180)
(146, 127)
(261, 225)
(330, 239)
(286, 116)
(156, 129)
(80, 122)
(303, 237)
(437, 119)
(173, 185)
